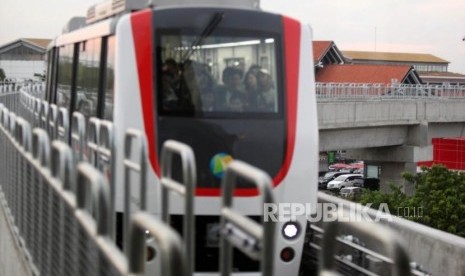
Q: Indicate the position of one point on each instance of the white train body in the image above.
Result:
(135, 85)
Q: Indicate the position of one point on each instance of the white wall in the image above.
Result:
(22, 69)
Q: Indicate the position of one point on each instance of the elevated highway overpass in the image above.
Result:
(391, 131)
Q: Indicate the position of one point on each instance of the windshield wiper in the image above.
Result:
(209, 28)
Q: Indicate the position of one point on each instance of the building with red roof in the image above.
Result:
(430, 68)
(367, 73)
(421, 62)
(326, 52)
(331, 66)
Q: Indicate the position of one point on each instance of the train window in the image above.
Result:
(218, 74)
(50, 59)
(87, 78)
(109, 79)
(65, 75)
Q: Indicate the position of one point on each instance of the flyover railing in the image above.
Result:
(331, 91)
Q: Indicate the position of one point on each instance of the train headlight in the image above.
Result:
(291, 230)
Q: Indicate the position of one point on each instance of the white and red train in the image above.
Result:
(231, 82)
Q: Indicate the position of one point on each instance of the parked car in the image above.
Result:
(351, 192)
(323, 181)
(342, 181)
(357, 182)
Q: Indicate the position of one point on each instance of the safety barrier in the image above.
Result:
(334, 91)
(253, 239)
(61, 214)
(135, 156)
(185, 189)
(397, 257)
(59, 200)
(362, 246)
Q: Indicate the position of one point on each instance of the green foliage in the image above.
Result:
(440, 194)
(2, 74)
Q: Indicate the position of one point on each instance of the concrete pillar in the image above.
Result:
(391, 173)
(393, 161)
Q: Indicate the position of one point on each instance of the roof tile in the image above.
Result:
(362, 73)
(319, 49)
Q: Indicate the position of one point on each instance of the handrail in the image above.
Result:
(36, 113)
(78, 139)
(107, 155)
(41, 146)
(52, 121)
(23, 133)
(173, 260)
(185, 189)
(93, 196)
(388, 239)
(63, 166)
(260, 245)
(334, 91)
(62, 133)
(43, 114)
(133, 136)
(93, 129)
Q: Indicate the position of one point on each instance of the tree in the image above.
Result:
(440, 193)
(2, 75)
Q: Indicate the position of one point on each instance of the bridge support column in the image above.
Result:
(393, 161)
(391, 173)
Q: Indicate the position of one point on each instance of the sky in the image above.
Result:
(413, 26)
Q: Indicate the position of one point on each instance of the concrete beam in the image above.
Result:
(355, 138)
(418, 135)
(441, 130)
(392, 154)
(359, 113)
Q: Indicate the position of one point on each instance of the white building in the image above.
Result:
(23, 58)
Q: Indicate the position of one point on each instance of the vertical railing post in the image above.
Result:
(140, 166)
(173, 260)
(186, 189)
(260, 246)
(78, 138)
(63, 125)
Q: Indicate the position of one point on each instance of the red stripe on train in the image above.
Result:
(292, 33)
(141, 23)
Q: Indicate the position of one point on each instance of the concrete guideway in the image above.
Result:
(438, 252)
(393, 134)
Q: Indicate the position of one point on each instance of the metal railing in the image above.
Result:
(186, 189)
(135, 156)
(332, 91)
(60, 214)
(397, 256)
(253, 239)
(356, 252)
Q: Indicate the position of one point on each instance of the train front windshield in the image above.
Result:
(224, 74)
(219, 88)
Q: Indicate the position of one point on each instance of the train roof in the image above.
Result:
(111, 8)
(102, 18)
